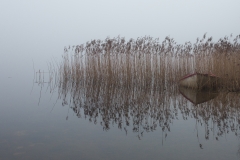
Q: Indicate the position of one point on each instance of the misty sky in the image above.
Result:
(44, 27)
(33, 34)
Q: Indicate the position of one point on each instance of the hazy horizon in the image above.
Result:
(37, 122)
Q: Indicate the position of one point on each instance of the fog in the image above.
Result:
(35, 123)
(39, 30)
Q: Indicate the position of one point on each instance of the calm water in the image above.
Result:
(37, 124)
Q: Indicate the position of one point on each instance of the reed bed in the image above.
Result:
(135, 83)
(147, 64)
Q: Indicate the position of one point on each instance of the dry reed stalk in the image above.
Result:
(148, 63)
(119, 80)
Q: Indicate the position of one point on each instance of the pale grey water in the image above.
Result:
(33, 129)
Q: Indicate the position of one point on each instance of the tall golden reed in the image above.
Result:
(146, 63)
(137, 82)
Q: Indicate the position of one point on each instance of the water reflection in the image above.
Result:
(143, 110)
(134, 86)
(197, 96)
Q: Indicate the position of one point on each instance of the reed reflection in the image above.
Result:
(134, 85)
(144, 111)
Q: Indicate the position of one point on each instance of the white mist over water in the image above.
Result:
(39, 30)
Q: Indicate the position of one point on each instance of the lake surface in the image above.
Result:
(39, 122)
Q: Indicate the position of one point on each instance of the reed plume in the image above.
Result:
(136, 82)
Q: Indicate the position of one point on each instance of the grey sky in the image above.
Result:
(40, 26)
